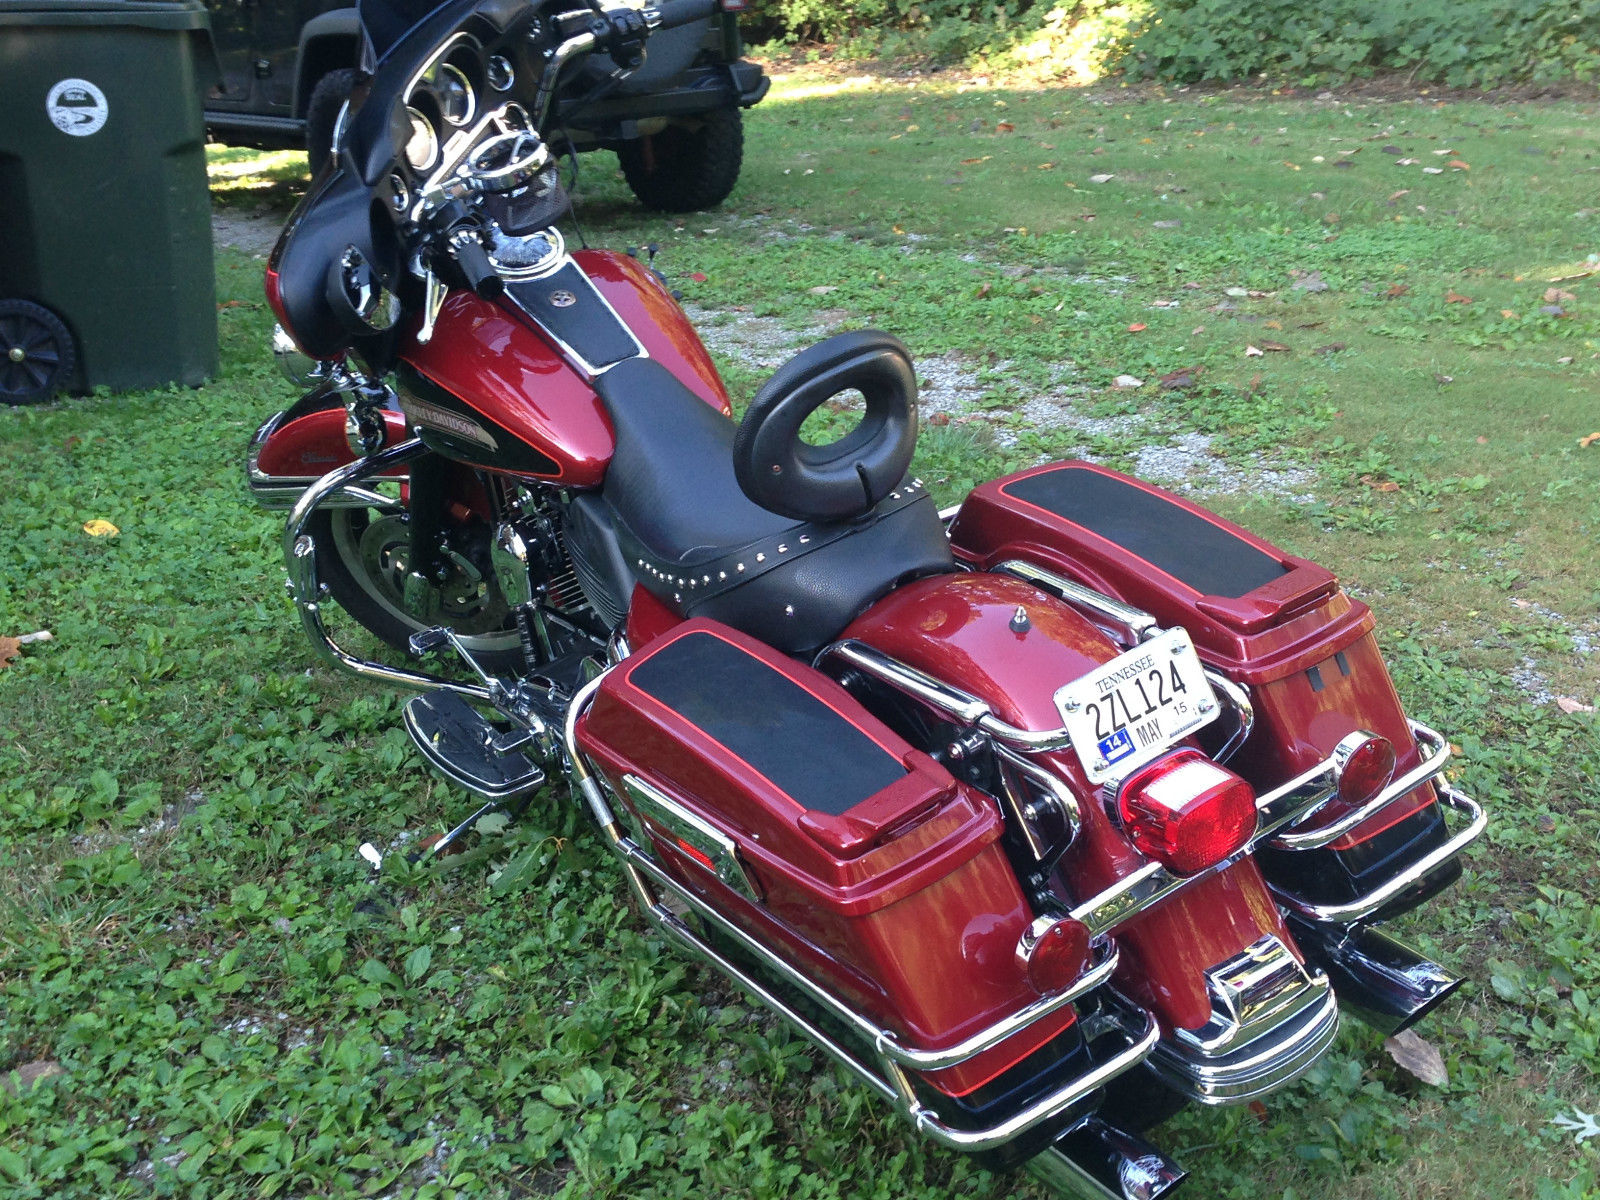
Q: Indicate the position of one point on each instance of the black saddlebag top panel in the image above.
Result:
(802, 745)
(1189, 548)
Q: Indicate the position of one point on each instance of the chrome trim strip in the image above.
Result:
(689, 828)
(1139, 624)
(1290, 1050)
(1376, 899)
(299, 553)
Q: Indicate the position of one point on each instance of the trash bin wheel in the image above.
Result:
(36, 352)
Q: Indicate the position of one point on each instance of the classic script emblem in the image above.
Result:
(420, 412)
(563, 299)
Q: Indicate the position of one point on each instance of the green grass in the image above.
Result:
(239, 1008)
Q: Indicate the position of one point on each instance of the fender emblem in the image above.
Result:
(563, 299)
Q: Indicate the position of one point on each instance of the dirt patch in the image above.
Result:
(242, 231)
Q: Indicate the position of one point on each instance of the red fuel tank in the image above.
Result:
(490, 362)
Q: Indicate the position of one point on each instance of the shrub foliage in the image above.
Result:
(1463, 43)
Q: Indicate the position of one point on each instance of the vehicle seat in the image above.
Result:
(694, 539)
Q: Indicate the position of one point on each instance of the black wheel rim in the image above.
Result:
(30, 357)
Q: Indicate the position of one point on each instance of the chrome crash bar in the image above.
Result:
(299, 552)
(1137, 1028)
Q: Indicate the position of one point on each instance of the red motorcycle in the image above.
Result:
(1041, 815)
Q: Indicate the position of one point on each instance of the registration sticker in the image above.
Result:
(1131, 709)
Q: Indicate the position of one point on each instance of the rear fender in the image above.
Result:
(296, 447)
(962, 630)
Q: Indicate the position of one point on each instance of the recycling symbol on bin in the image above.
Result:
(77, 107)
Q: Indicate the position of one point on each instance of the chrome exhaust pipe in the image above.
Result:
(1097, 1161)
(1379, 980)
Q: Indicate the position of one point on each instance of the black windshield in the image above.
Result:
(385, 22)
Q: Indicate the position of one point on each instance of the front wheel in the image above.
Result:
(363, 557)
(689, 166)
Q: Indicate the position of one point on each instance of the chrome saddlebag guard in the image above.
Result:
(825, 884)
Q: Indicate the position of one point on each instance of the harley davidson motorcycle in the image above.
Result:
(1040, 815)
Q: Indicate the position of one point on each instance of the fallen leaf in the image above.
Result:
(1455, 297)
(1005, 127)
(1419, 1057)
(1101, 178)
(1274, 347)
(1519, 602)
(1256, 381)
(1311, 281)
(44, 635)
(1330, 348)
(1442, 153)
(1272, 324)
(1406, 162)
(1482, 441)
(99, 528)
(1433, 170)
(1258, 1110)
(1167, 224)
(1441, 380)
(824, 289)
(1183, 377)
(698, 276)
(1459, 165)
(984, 291)
(1581, 1125)
(1290, 165)
(1393, 196)
(1558, 296)
(1509, 315)
(1252, 352)
(1127, 381)
(1393, 150)
(1585, 442)
(1137, 327)
(10, 647)
(1564, 359)
(1236, 292)
(972, 162)
(1397, 290)
(1568, 705)
(939, 419)
(1380, 485)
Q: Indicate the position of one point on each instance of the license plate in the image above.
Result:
(1126, 712)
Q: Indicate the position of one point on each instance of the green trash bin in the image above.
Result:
(105, 221)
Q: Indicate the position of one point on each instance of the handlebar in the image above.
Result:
(476, 269)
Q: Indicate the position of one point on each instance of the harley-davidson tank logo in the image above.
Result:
(442, 419)
(563, 299)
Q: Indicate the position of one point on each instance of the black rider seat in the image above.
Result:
(694, 539)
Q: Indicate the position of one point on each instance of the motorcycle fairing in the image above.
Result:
(862, 856)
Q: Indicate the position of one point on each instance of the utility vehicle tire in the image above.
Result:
(322, 114)
(686, 167)
(36, 352)
(361, 559)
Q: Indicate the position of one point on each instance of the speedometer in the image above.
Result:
(422, 145)
(454, 93)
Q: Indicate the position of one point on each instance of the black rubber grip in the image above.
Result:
(476, 269)
(684, 12)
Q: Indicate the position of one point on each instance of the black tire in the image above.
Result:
(356, 560)
(36, 352)
(322, 114)
(689, 166)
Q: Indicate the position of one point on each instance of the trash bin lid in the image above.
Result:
(149, 14)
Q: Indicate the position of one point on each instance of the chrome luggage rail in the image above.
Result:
(1136, 1027)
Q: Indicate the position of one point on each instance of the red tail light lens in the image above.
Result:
(1365, 763)
(1186, 812)
(1053, 952)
